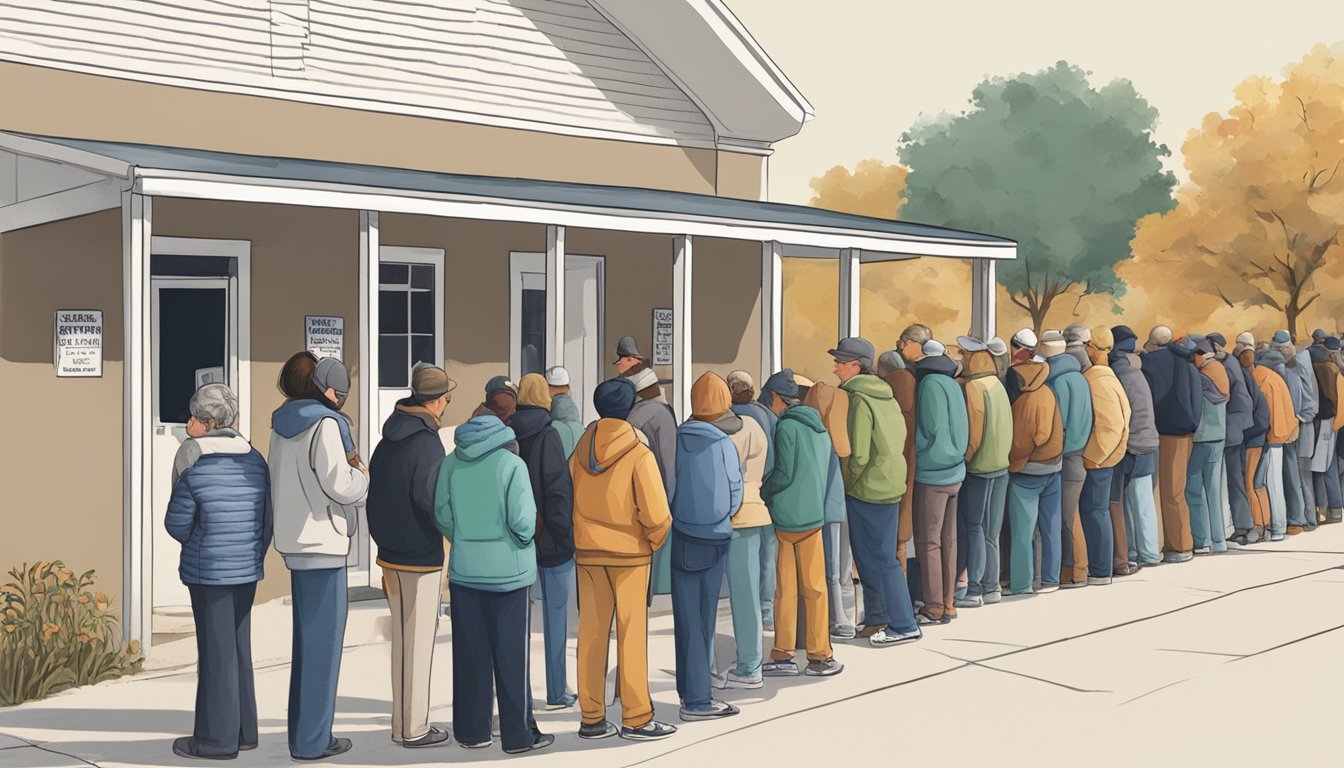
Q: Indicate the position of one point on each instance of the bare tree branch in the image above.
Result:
(1313, 186)
(1303, 306)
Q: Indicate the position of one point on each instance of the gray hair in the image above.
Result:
(215, 403)
(889, 362)
(917, 333)
(1288, 350)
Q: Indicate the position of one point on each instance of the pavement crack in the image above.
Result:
(1202, 653)
(34, 745)
(974, 663)
(1155, 690)
(1290, 642)
(980, 642)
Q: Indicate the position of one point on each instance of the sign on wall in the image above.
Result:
(79, 343)
(325, 336)
(662, 337)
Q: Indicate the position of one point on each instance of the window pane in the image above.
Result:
(393, 274)
(392, 311)
(193, 337)
(392, 368)
(533, 341)
(422, 312)
(422, 276)
(422, 350)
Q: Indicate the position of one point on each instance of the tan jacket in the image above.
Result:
(1038, 429)
(751, 446)
(620, 506)
(1110, 418)
(1283, 423)
(833, 405)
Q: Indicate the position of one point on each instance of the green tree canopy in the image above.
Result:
(1061, 167)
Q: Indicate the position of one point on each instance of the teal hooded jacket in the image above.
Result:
(942, 426)
(483, 504)
(1074, 394)
(805, 484)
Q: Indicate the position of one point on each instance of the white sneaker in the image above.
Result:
(888, 637)
(731, 679)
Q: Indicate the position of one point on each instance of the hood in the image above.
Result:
(1270, 358)
(1318, 354)
(1033, 374)
(480, 437)
(710, 396)
(729, 422)
(808, 417)
(563, 408)
(936, 365)
(869, 386)
(696, 436)
(294, 417)
(223, 441)
(529, 420)
(980, 364)
(1180, 351)
(609, 440)
(1062, 364)
(409, 418)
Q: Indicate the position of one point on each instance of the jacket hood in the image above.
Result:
(729, 422)
(696, 436)
(710, 396)
(806, 416)
(1062, 364)
(563, 408)
(980, 363)
(223, 441)
(294, 417)
(938, 364)
(481, 436)
(869, 386)
(1033, 374)
(1269, 357)
(529, 420)
(1180, 351)
(609, 440)
(409, 418)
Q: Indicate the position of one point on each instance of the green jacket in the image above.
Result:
(565, 418)
(942, 428)
(874, 471)
(483, 504)
(798, 489)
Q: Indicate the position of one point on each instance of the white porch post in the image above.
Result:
(984, 298)
(849, 292)
(681, 319)
(368, 333)
(137, 375)
(772, 313)
(555, 295)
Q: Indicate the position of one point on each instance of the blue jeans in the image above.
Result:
(769, 556)
(1204, 495)
(697, 575)
(1094, 509)
(980, 508)
(557, 588)
(1132, 485)
(745, 551)
(1295, 500)
(319, 606)
(886, 598)
(1034, 505)
(1234, 466)
(839, 582)
(1326, 483)
(226, 694)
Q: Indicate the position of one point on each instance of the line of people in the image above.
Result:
(1017, 468)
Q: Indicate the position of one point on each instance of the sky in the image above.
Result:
(871, 68)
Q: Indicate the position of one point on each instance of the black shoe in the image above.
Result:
(603, 730)
(182, 748)
(650, 731)
(436, 737)
(540, 741)
(337, 747)
(247, 747)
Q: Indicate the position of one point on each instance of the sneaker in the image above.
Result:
(594, 731)
(1256, 534)
(969, 601)
(768, 622)
(714, 710)
(540, 741)
(337, 747)
(1098, 581)
(436, 737)
(866, 631)
(1203, 550)
(786, 668)
(564, 703)
(1294, 530)
(650, 731)
(1333, 516)
(841, 631)
(824, 668)
(477, 744)
(1277, 537)
(182, 748)
(993, 597)
(1072, 584)
(1178, 557)
(923, 619)
(1046, 589)
(888, 637)
(733, 680)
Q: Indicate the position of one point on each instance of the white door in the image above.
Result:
(195, 342)
(584, 309)
(410, 319)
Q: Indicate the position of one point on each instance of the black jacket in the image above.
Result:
(1178, 395)
(402, 474)
(541, 450)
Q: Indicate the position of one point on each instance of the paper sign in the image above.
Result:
(662, 337)
(79, 343)
(325, 336)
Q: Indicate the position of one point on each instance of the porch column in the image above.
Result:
(368, 333)
(849, 292)
(137, 375)
(984, 298)
(772, 298)
(555, 295)
(681, 325)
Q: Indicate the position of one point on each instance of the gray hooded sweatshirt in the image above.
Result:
(1143, 438)
(655, 419)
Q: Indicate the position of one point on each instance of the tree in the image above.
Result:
(873, 189)
(1063, 168)
(1259, 224)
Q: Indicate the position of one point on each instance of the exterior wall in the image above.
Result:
(726, 329)
(742, 175)
(305, 261)
(60, 459)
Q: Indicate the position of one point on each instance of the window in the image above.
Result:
(533, 340)
(406, 322)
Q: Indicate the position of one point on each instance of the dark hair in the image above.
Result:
(296, 378)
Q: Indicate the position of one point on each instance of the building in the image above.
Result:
(195, 190)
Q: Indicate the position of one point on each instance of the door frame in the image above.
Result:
(534, 262)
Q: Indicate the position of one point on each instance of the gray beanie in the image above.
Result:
(331, 374)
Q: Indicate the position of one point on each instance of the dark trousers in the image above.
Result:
(872, 538)
(226, 698)
(490, 661)
(1234, 462)
(320, 604)
(697, 576)
(1095, 510)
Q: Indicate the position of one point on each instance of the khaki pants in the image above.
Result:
(1173, 459)
(1258, 497)
(413, 598)
(936, 546)
(801, 564)
(905, 526)
(619, 592)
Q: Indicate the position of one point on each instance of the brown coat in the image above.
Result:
(903, 386)
(1038, 429)
(833, 405)
(1283, 423)
(1330, 384)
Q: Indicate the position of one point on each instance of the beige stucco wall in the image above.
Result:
(60, 457)
(742, 175)
(726, 328)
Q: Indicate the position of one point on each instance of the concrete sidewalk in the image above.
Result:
(1233, 659)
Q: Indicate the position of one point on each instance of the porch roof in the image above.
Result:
(164, 170)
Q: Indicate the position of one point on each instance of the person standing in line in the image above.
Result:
(1240, 419)
(1203, 485)
(941, 442)
(833, 406)
(220, 512)
(543, 451)
(1022, 345)
(803, 485)
(1069, 384)
(564, 412)
(1330, 419)
(403, 471)
(1256, 440)
(1111, 415)
(627, 356)
(1272, 378)
(910, 347)
(709, 492)
(1034, 463)
(621, 518)
(998, 348)
(501, 399)
(1169, 367)
(874, 475)
(745, 404)
(1132, 485)
(317, 485)
(1301, 379)
(484, 505)
(653, 418)
(984, 495)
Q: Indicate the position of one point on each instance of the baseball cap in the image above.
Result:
(853, 348)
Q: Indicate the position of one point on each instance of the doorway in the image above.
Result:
(585, 298)
(410, 320)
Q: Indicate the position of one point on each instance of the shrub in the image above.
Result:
(56, 633)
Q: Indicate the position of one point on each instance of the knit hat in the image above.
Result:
(740, 381)
(1281, 337)
(643, 380)
(1331, 343)
(497, 383)
(1101, 338)
(1052, 343)
(534, 391)
(1025, 339)
(996, 346)
(1077, 332)
(557, 377)
(781, 383)
(1318, 334)
(1217, 340)
(1160, 336)
(614, 398)
(1202, 343)
(429, 382)
(331, 374)
(933, 348)
(710, 397)
(1245, 338)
